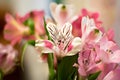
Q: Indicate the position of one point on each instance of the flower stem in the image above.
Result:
(1, 75)
(51, 66)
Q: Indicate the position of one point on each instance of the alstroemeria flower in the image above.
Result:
(90, 33)
(76, 22)
(61, 13)
(30, 26)
(8, 58)
(110, 50)
(109, 55)
(14, 31)
(63, 42)
(88, 60)
(37, 17)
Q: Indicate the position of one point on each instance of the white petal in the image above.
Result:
(53, 31)
(66, 29)
(53, 6)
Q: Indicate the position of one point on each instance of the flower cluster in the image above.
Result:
(69, 36)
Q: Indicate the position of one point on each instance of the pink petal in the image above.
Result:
(104, 56)
(84, 12)
(110, 34)
(82, 71)
(113, 75)
(39, 21)
(48, 44)
(76, 31)
(22, 19)
(105, 69)
(10, 32)
(115, 57)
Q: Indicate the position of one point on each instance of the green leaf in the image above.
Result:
(30, 23)
(49, 38)
(1, 75)
(65, 70)
(31, 42)
(94, 76)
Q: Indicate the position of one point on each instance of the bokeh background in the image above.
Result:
(109, 11)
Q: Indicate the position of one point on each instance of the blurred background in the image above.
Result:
(109, 14)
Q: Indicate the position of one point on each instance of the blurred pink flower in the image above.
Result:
(38, 18)
(8, 57)
(76, 22)
(61, 13)
(14, 30)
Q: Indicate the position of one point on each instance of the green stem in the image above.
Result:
(1, 75)
(51, 66)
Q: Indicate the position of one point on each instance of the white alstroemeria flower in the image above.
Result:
(64, 44)
(61, 12)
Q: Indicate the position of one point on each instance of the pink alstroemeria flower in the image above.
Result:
(109, 56)
(8, 58)
(88, 60)
(13, 30)
(76, 22)
(110, 50)
(61, 13)
(37, 17)
(90, 33)
(63, 42)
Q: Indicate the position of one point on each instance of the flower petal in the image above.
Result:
(115, 57)
(113, 75)
(39, 22)
(53, 31)
(74, 47)
(45, 46)
(61, 13)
